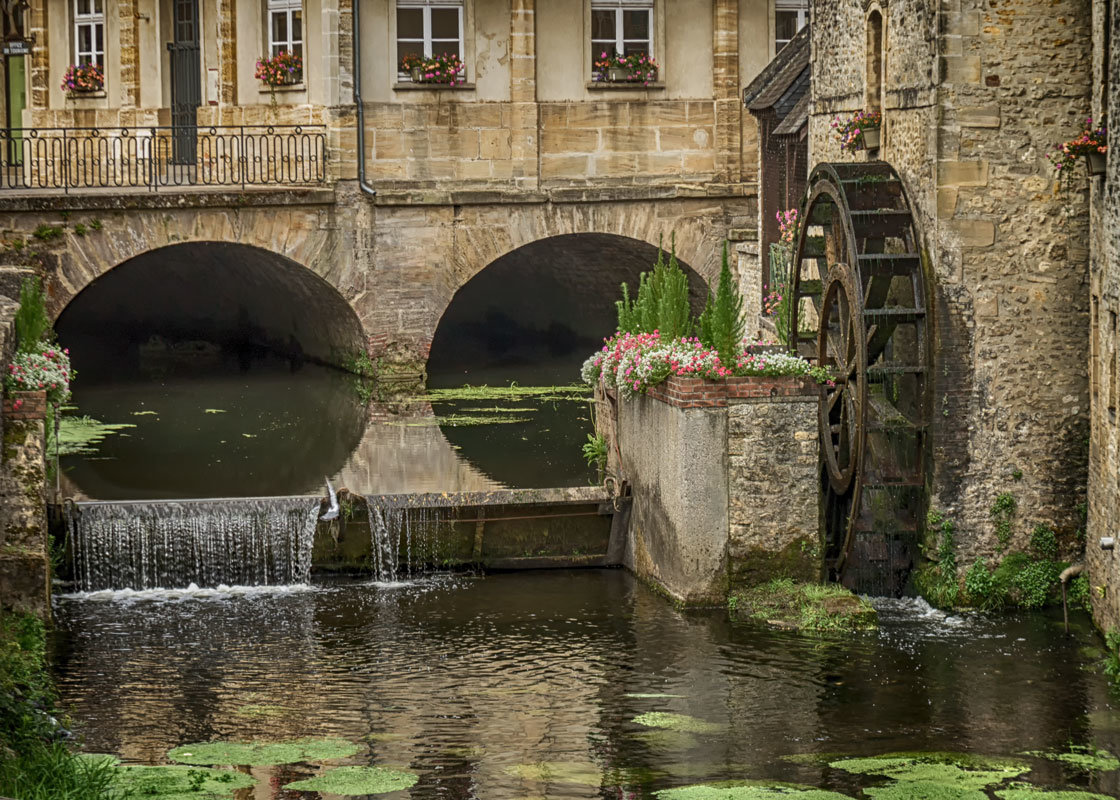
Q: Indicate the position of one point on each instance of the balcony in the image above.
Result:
(154, 158)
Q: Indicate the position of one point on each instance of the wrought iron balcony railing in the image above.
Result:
(158, 157)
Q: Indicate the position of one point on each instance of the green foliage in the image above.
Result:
(981, 587)
(32, 323)
(937, 582)
(96, 224)
(80, 229)
(677, 722)
(1077, 593)
(1017, 474)
(747, 790)
(33, 764)
(1002, 514)
(262, 753)
(722, 324)
(812, 607)
(1035, 583)
(595, 452)
(662, 302)
(364, 370)
(1081, 758)
(179, 783)
(1044, 542)
(46, 233)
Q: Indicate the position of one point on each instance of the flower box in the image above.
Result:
(1097, 163)
(1092, 143)
(282, 69)
(83, 79)
(860, 131)
(415, 73)
(871, 138)
(633, 68)
(442, 70)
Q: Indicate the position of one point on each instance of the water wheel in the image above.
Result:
(859, 307)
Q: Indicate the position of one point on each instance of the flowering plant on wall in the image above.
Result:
(283, 69)
(855, 131)
(83, 78)
(632, 68)
(45, 367)
(1092, 145)
(446, 69)
(633, 362)
(788, 224)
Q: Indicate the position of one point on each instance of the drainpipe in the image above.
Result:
(1067, 573)
(361, 112)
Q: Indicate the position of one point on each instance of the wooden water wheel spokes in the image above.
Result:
(841, 347)
(857, 277)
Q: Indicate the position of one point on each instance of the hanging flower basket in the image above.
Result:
(633, 68)
(859, 131)
(83, 79)
(1092, 144)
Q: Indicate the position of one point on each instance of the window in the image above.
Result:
(790, 16)
(429, 28)
(89, 32)
(285, 27)
(873, 79)
(621, 26)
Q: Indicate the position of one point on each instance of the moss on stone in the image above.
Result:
(798, 561)
(748, 790)
(179, 783)
(804, 606)
(352, 781)
(256, 754)
(1085, 759)
(677, 722)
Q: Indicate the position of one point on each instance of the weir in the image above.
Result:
(272, 541)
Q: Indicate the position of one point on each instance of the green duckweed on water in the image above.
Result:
(578, 772)
(82, 435)
(513, 392)
(1086, 759)
(255, 754)
(1025, 791)
(748, 790)
(677, 722)
(357, 781)
(960, 771)
(923, 790)
(179, 783)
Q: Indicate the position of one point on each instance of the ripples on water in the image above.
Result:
(463, 679)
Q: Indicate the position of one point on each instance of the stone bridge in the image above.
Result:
(334, 268)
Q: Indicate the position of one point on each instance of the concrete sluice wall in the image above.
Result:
(282, 540)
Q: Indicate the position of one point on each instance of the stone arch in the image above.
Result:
(295, 233)
(542, 306)
(228, 293)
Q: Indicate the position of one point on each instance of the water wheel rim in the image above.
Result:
(841, 412)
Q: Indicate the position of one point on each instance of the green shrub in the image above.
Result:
(46, 233)
(662, 301)
(982, 589)
(1077, 593)
(32, 323)
(1044, 543)
(723, 323)
(595, 452)
(937, 582)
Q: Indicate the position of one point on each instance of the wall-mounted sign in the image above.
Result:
(17, 47)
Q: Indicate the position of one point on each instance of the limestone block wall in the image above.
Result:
(1104, 344)
(724, 479)
(974, 95)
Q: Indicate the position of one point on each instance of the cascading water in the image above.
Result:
(385, 532)
(402, 537)
(172, 544)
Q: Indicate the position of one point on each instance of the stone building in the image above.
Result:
(973, 97)
(443, 180)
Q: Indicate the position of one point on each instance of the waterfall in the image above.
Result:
(402, 537)
(172, 544)
(385, 533)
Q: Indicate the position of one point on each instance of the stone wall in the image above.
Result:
(1104, 343)
(974, 95)
(724, 480)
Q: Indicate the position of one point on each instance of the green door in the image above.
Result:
(17, 102)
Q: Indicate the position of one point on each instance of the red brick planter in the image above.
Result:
(701, 393)
(25, 405)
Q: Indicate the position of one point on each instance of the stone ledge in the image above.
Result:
(195, 197)
(25, 406)
(590, 193)
(700, 393)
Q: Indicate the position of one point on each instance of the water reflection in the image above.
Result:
(274, 431)
(528, 684)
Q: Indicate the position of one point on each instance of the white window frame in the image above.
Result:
(94, 19)
(287, 9)
(802, 9)
(619, 6)
(427, 6)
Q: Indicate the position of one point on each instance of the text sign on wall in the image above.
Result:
(17, 47)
